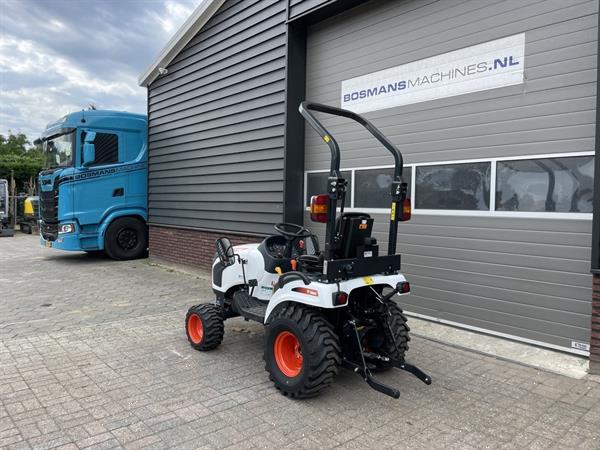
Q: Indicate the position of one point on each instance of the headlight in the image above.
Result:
(66, 228)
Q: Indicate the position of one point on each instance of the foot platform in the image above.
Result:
(249, 307)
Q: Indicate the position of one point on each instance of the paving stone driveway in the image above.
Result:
(93, 354)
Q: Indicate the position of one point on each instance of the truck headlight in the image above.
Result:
(66, 228)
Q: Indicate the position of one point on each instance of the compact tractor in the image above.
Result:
(322, 309)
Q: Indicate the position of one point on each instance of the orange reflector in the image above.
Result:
(406, 211)
(318, 208)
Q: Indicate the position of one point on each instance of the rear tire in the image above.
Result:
(302, 352)
(204, 326)
(400, 331)
(126, 238)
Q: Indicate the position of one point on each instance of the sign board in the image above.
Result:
(481, 67)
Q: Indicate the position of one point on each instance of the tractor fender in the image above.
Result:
(320, 295)
(140, 212)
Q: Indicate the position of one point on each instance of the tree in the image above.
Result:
(21, 160)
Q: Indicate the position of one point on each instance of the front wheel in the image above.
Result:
(302, 352)
(204, 326)
(126, 238)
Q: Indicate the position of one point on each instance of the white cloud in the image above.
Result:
(177, 13)
(52, 62)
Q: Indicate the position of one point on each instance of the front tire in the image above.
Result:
(204, 326)
(126, 238)
(302, 352)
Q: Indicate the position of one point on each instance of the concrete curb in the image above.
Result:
(526, 354)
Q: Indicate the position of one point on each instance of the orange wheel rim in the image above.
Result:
(195, 328)
(288, 354)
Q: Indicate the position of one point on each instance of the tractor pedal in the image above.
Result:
(249, 307)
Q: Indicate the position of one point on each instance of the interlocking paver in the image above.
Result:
(107, 365)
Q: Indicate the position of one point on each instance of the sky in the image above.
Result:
(60, 56)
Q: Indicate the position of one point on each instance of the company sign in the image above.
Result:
(481, 67)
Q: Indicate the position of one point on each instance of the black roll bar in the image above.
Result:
(305, 110)
(337, 185)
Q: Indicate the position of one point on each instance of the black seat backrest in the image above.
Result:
(354, 228)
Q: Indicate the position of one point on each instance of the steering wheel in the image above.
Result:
(291, 230)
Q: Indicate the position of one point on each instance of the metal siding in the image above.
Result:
(524, 277)
(216, 124)
(299, 7)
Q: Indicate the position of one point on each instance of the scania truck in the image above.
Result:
(93, 190)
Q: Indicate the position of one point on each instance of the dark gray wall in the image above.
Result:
(524, 277)
(216, 124)
(300, 7)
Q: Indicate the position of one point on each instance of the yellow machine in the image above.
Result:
(29, 221)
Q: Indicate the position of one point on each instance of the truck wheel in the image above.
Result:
(204, 326)
(400, 330)
(302, 352)
(126, 238)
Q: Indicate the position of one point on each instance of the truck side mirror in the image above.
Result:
(89, 151)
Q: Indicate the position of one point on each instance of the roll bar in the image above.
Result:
(306, 108)
(337, 185)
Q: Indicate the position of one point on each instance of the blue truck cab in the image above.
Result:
(93, 190)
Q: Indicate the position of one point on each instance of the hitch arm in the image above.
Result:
(374, 383)
(414, 370)
(364, 371)
(400, 364)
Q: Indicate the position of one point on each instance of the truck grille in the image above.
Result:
(49, 213)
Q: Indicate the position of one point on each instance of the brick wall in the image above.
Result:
(190, 247)
(595, 340)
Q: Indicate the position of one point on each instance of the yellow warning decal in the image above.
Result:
(393, 212)
(326, 138)
(368, 280)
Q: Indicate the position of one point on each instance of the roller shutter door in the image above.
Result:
(524, 276)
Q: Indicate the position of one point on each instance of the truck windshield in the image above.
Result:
(58, 150)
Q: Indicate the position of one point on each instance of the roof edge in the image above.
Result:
(203, 12)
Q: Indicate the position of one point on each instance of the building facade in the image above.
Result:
(493, 105)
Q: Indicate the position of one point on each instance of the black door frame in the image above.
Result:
(295, 92)
(595, 266)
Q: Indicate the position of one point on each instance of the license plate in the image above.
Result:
(48, 244)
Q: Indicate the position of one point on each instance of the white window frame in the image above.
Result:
(350, 207)
(491, 212)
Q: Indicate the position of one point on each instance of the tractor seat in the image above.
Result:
(312, 262)
(354, 230)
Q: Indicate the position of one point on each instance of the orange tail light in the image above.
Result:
(406, 211)
(318, 208)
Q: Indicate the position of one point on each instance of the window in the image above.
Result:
(373, 187)
(106, 146)
(58, 151)
(522, 187)
(547, 185)
(453, 186)
(316, 183)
